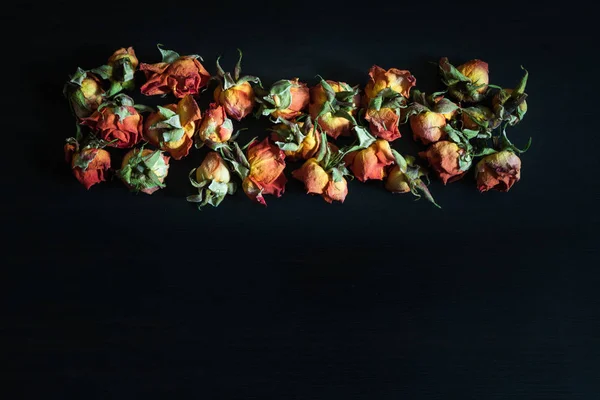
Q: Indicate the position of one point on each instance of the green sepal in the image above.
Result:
(143, 108)
(114, 88)
(82, 161)
(122, 112)
(218, 188)
(400, 161)
(78, 77)
(336, 174)
(173, 135)
(520, 89)
(451, 75)
(105, 71)
(484, 152)
(444, 106)
(168, 56)
(237, 70)
(123, 100)
(365, 139)
(507, 144)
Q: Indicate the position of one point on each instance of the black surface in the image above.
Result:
(114, 295)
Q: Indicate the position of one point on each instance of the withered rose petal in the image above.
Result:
(313, 176)
(182, 77)
(383, 123)
(96, 170)
(238, 100)
(428, 127)
(400, 81)
(276, 187)
(188, 110)
(443, 157)
(108, 126)
(336, 190)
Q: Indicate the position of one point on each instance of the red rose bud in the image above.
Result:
(370, 163)
(337, 96)
(144, 170)
(498, 171)
(299, 140)
(84, 93)
(383, 123)
(235, 93)
(317, 181)
(468, 82)
(180, 75)
(399, 81)
(89, 164)
(428, 127)
(116, 122)
(446, 158)
(286, 99)
(215, 127)
(172, 127)
(509, 104)
(213, 180)
(261, 170)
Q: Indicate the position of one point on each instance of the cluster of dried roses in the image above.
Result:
(456, 132)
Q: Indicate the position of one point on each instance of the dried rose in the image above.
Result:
(370, 163)
(286, 99)
(213, 180)
(406, 176)
(180, 75)
(332, 106)
(117, 122)
(215, 127)
(509, 104)
(318, 181)
(84, 92)
(235, 93)
(427, 116)
(383, 123)
(396, 80)
(446, 159)
(119, 70)
(299, 140)
(172, 127)
(89, 164)
(144, 170)
(498, 171)
(469, 82)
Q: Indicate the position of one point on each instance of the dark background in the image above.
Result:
(108, 294)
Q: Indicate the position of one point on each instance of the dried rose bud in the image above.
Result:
(235, 93)
(286, 99)
(84, 93)
(172, 127)
(180, 75)
(370, 163)
(468, 82)
(215, 127)
(445, 159)
(117, 122)
(383, 123)
(144, 170)
(266, 176)
(440, 101)
(123, 55)
(399, 81)
(397, 181)
(498, 171)
(89, 164)
(509, 104)
(337, 96)
(317, 181)
(428, 127)
(299, 140)
(213, 180)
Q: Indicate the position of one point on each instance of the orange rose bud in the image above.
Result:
(383, 123)
(370, 163)
(172, 127)
(299, 140)
(286, 99)
(144, 170)
(266, 176)
(319, 103)
(123, 55)
(118, 123)
(317, 181)
(428, 127)
(238, 101)
(213, 180)
(336, 190)
(478, 72)
(180, 75)
(213, 168)
(84, 92)
(215, 127)
(397, 181)
(400, 81)
(498, 171)
(444, 158)
(235, 93)
(89, 164)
